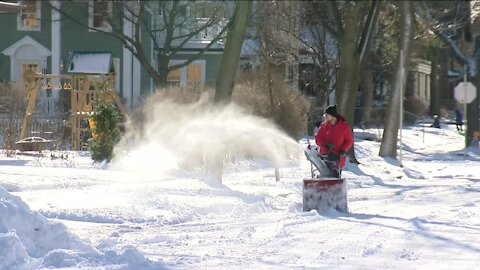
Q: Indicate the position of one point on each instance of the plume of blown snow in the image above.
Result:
(179, 136)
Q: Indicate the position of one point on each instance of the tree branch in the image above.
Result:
(337, 17)
(457, 53)
(368, 29)
(200, 53)
(196, 31)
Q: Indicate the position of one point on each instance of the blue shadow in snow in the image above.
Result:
(420, 227)
(16, 162)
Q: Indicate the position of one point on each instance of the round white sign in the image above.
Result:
(465, 92)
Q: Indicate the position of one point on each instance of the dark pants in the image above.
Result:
(336, 172)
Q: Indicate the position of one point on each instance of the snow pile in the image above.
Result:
(182, 136)
(29, 241)
(30, 234)
(13, 253)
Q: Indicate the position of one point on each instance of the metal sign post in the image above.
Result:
(401, 112)
(465, 109)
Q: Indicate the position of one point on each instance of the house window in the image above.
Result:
(99, 14)
(173, 77)
(29, 17)
(192, 73)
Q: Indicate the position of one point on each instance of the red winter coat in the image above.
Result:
(340, 135)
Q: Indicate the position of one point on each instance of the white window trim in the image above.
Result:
(20, 26)
(183, 70)
(90, 17)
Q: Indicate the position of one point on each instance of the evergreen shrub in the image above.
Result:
(105, 133)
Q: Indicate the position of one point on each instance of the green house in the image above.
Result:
(44, 34)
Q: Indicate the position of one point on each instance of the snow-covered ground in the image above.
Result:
(67, 213)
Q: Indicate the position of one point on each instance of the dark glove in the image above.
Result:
(343, 154)
(332, 157)
(330, 146)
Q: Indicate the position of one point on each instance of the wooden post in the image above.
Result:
(33, 88)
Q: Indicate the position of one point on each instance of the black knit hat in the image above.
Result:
(332, 110)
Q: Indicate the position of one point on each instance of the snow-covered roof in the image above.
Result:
(250, 47)
(27, 40)
(6, 7)
(90, 62)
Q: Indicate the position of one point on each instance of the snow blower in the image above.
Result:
(325, 189)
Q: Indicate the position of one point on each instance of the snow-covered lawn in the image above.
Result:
(425, 215)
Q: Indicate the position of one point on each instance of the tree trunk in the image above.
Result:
(348, 80)
(270, 88)
(231, 54)
(435, 92)
(213, 162)
(473, 113)
(388, 148)
(367, 96)
(473, 119)
(348, 77)
(162, 73)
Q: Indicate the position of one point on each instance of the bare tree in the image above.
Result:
(446, 26)
(320, 49)
(229, 63)
(277, 27)
(169, 35)
(379, 61)
(351, 23)
(388, 147)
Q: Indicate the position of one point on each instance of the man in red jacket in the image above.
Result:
(334, 138)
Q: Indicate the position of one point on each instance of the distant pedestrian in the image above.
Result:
(459, 120)
(436, 121)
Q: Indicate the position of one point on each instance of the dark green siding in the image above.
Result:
(9, 35)
(77, 37)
